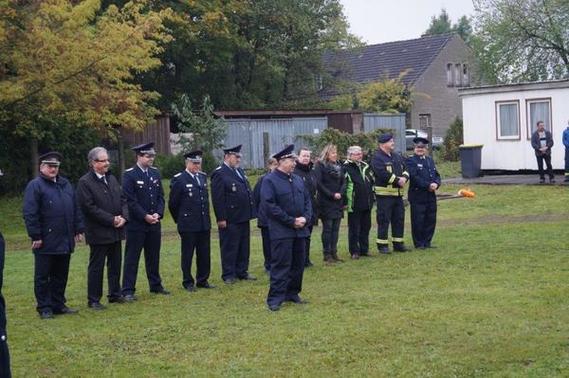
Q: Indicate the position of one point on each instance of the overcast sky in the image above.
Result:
(378, 21)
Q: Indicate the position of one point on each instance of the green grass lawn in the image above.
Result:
(491, 300)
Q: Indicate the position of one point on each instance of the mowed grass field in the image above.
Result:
(491, 300)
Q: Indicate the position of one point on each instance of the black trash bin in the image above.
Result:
(470, 159)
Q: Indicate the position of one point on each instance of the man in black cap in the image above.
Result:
(424, 182)
(232, 200)
(105, 210)
(288, 208)
(390, 179)
(189, 206)
(4, 352)
(54, 224)
(142, 187)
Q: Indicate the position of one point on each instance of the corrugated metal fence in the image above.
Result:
(263, 137)
(395, 122)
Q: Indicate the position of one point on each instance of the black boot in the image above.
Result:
(328, 259)
(336, 258)
(383, 248)
(400, 247)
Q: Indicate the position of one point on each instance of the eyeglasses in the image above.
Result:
(101, 160)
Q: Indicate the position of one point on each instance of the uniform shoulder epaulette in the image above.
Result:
(153, 167)
(203, 173)
(130, 169)
(218, 168)
(177, 174)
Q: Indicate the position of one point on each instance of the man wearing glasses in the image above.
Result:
(232, 200)
(189, 206)
(54, 224)
(142, 187)
(100, 198)
(425, 181)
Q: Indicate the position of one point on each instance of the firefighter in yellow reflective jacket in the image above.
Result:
(360, 198)
(390, 180)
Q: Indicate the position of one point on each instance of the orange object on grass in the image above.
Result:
(466, 192)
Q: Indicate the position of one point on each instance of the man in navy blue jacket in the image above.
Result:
(424, 182)
(288, 207)
(54, 224)
(189, 206)
(142, 187)
(232, 200)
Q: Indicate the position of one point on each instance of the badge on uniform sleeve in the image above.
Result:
(233, 187)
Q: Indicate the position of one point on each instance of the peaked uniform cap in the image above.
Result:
(285, 153)
(194, 156)
(145, 148)
(420, 141)
(51, 158)
(233, 150)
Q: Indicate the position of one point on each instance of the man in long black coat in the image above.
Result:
(54, 225)
(105, 211)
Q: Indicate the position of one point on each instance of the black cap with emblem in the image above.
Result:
(421, 142)
(285, 153)
(194, 156)
(144, 149)
(52, 158)
(233, 150)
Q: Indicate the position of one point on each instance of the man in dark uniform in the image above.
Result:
(142, 187)
(105, 210)
(304, 169)
(424, 182)
(390, 179)
(4, 353)
(54, 224)
(189, 206)
(288, 209)
(232, 200)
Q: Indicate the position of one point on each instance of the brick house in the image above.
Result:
(437, 66)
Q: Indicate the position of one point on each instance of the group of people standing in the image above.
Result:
(288, 202)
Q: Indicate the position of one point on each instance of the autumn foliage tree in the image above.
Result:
(71, 64)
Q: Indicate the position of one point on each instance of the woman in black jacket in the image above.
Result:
(331, 185)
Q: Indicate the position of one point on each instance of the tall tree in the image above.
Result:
(68, 61)
(67, 71)
(521, 40)
(442, 24)
(247, 54)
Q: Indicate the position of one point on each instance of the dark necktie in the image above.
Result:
(238, 174)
